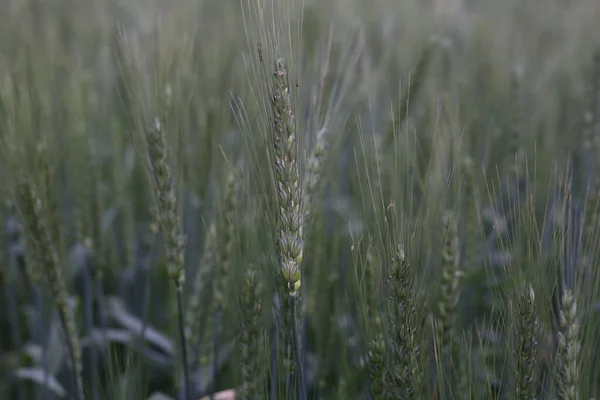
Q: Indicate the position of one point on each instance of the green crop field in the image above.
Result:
(287, 199)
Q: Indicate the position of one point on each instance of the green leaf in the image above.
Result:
(38, 376)
(117, 310)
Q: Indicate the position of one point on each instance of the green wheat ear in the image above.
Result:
(569, 346)
(446, 339)
(250, 340)
(166, 213)
(169, 226)
(227, 240)
(290, 244)
(289, 240)
(527, 346)
(450, 285)
(201, 287)
(405, 371)
(376, 367)
(38, 241)
(314, 172)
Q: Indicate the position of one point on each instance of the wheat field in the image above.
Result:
(299, 199)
